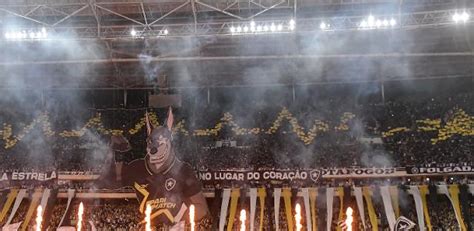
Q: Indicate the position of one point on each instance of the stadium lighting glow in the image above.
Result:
(461, 17)
(133, 32)
(273, 27)
(291, 24)
(26, 34)
(378, 23)
(263, 28)
(393, 22)
(165, 32)
(371, 22)
(323, 26)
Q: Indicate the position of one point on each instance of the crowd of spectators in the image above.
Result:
(120, 214)
(362, 144)
(103, 214)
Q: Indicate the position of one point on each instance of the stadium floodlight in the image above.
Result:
(272, 27)
(133, 32)
(26, 34)
(323, 26)
(165, 32)
(378, 23)
(264, 27)
(371, 21)
(393, 22)
(461, 17)
(292, 24)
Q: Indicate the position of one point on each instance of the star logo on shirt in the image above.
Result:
(170, 183)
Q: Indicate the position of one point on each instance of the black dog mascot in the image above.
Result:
(161, 180)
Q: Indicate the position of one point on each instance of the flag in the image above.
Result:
(12, 227)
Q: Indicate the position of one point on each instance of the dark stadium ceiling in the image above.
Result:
(90, 44)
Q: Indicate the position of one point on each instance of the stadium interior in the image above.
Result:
(293, 114)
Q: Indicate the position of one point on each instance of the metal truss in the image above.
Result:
(114, 19)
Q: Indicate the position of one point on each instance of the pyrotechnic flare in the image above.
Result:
(148, 218)
(79, 216)
(298, 217)
(349, 219)
(191, 217)
(39, 218)
(243, 217)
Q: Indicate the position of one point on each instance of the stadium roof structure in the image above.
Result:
(126, 44)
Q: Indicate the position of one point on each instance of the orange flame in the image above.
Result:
(39, 218)
(243, 217)
(191, 217)
(79, 216)
(298, 217)
(349, 219)
(148, 218)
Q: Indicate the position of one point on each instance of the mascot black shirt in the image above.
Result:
(165, 192)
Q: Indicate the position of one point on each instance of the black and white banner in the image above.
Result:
(360, 172)
(27, 176)
(245, 176)
(452, 168)
(305, 176)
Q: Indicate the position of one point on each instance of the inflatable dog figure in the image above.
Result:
(165, 183)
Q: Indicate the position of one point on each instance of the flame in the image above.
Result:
(349, 219)
(243, 217)
(79, 216)
(298, 217)
(191, 217)
(39, 218)
(148, 218)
